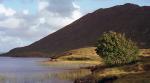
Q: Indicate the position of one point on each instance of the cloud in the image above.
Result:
(60, 7)
(23, 28)
(10, 23)
(6, 11)
(25, 12)
(6, 44)
(59, 13)
(42, 5)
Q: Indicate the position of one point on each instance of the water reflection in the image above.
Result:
(34, 78)
(29, 70)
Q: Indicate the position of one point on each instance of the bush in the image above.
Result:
(116, 49)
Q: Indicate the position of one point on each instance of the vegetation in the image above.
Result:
(131, 73)
(116, 49)
(73, 74)
(123, 74)
(81, 54)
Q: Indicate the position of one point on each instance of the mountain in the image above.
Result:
(130, 19)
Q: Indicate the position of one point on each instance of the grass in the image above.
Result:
(144, 52)
(89, 54)
(133, 73)
(74, 74)
(83, 57)
(87, 57)
(71, 64)
(81, 54)
(1, 78)
(143, 77)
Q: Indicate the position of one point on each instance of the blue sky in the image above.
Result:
(85, 5)
(91, 5)
(19, 5)
(26, 21)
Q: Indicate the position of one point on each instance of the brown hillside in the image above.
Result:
(130, 19)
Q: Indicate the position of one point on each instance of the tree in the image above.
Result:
(116, 49)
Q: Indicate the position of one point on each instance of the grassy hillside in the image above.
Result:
(88, 67)
(131, 73)
(89, 54)
(85, 54)
(82, 57)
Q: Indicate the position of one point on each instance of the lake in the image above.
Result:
(28, 70)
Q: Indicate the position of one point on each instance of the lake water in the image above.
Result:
(28, 70)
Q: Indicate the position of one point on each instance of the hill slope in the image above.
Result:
(130, 19)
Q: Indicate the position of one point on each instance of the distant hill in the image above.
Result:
(130, 19)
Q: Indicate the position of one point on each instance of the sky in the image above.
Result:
(23, 22)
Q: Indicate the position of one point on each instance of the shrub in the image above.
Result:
(116, 49)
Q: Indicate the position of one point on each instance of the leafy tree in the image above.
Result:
(116, 49)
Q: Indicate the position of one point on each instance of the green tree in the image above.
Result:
(116, 49)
